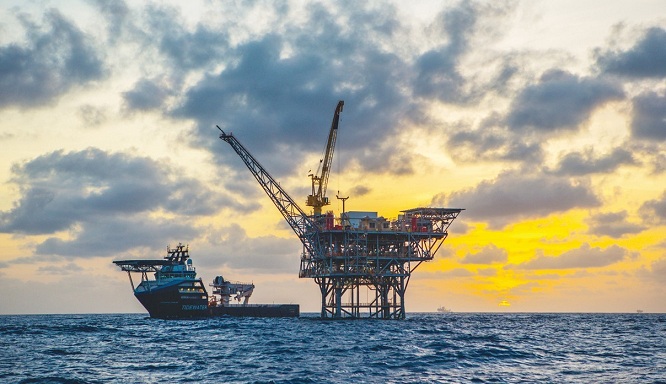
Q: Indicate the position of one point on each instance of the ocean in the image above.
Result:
(424, 348)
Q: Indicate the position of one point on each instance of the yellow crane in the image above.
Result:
(318, 198)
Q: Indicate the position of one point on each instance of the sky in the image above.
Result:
(544, 120)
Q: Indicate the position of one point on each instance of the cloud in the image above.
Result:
(585, 163)
(60, 189)
(233, 249)
(186, 49)
(56, 58)
(560, 101)
(117, 16)
(452, 273)
(437, 69)
(488, 255)
(112, 236)
(360, 190)
(657, 271)
(106, 201)
(146, 94)
(487, 272)
(646, 59)
(279, 91)
(654, 211)
(582, 257)
(92, 116)
(649, 116)
(658, 162)
(69, 269)
(491, 143)
(158, 29)
(276, 103)
(441, 72)
(613, 224)
(515, 195)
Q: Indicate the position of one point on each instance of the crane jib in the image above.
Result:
(306, 229)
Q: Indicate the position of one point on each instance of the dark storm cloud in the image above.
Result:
(147, 94)
(489, 143)
(278, 92)
(646, 59)
(87, 190)
(160, 31)
(582, 257)
(613, 224)
(560, 101)
(488, 255)
(439, 72)
(112, 235)
(578, 164)
(186, 49)
(160, 35)
(515, 195)
(649, 116)
(654, 211)
(438, 76)
(56, 57)
(117, 16)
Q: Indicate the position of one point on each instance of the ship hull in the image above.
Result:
(178, 300)
(257, 310)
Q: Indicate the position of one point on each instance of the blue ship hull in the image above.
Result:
(181, 299)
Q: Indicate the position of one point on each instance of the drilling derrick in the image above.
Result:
(361, 262)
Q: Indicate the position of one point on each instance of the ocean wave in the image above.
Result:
(422, 348)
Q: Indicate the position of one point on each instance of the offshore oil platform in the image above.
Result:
(356, 251)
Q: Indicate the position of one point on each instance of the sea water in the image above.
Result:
(436, 348)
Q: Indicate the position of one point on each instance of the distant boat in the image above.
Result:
(639, 311)
(443, 309)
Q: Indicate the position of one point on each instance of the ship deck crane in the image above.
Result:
(318, 198)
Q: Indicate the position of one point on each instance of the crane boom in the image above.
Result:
(318, 197)
(306, 229)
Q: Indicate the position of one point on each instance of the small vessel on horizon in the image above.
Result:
(177, 293)
(443, 309)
